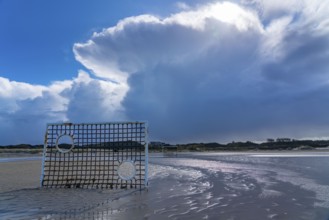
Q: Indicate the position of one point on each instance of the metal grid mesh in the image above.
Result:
(97, 155)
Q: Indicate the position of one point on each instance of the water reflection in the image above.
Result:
(99, 212)
(60, 203)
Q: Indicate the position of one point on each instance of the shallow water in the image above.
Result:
(292, 185)
(14, 159)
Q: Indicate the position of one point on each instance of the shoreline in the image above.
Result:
(191, 185)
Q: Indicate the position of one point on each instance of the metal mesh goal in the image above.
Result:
(95, 155)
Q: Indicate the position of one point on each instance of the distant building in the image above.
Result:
(270, 140)
(283, 140)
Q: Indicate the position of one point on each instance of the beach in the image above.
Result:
(240, 185)
(19, 175)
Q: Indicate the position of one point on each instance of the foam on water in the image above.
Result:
(160, 171)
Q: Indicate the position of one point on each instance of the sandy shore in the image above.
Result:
(185, 186)
(19, 175)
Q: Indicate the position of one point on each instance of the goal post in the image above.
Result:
(95, 155)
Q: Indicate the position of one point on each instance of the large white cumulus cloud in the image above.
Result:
(221, 71)
(248, 69)
(26, 109)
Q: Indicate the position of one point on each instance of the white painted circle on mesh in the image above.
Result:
(64, 143)
(127, 170)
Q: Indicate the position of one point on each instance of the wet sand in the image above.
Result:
(186, 186)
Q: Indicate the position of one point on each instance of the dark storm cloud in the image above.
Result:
(213, 78)
(306, 59)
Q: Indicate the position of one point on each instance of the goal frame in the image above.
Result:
(96, 153)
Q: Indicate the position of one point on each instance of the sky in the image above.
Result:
(197, 71)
